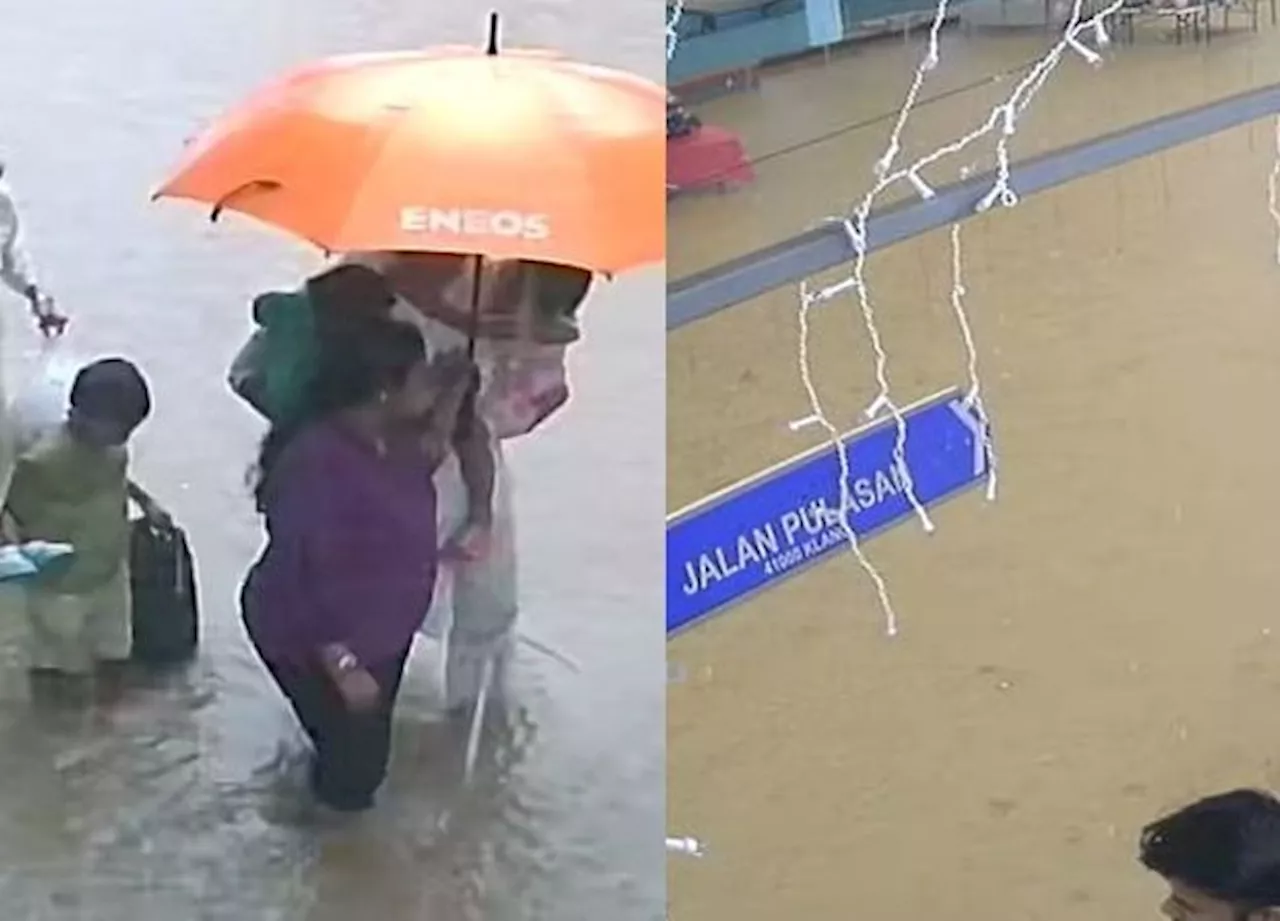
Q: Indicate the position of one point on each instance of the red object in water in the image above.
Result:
(710, 157)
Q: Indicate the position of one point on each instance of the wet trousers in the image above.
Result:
(352, 750)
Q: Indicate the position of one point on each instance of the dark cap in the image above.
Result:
(351, 287)
(112, 389)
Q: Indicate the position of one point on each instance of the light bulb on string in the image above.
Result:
(689, 847)
(1004, 119)
(1100, 36)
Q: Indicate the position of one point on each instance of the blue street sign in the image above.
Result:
(770, 526)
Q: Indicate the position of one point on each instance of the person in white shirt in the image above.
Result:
(16, 270)
(17, 274)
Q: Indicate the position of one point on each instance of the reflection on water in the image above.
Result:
(183, 802)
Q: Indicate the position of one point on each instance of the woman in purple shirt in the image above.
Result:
(334, 601)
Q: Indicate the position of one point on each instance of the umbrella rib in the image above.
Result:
(253, 185)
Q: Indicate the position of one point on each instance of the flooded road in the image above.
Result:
(181, 804)
(1096, 645)
(813, 130)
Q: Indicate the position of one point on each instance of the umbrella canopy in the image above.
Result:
(518, 155)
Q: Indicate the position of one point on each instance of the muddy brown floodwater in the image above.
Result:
(179, 805)
(1094, 646)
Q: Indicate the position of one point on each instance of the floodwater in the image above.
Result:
(181, 803)
(1093, 647)
(814, 131)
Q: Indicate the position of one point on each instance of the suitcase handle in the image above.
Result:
(169, 534)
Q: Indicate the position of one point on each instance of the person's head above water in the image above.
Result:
(382, 371)
(109, 400)
(1220, 857)
(380, 374)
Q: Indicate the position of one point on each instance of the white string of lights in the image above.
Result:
(675, 12)
(675, 673)
(1003, 117)
(857, 234)
(927, 64)
(973, 396)
(1273, 189)
(818, 415)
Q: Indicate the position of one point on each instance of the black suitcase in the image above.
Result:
(166, 608)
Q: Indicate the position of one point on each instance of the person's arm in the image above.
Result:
(15, 267)
(150, 508)
(10, 533)
(20, 501)
(479, 471)
(478, 467)
(453, 377)
(16, 271)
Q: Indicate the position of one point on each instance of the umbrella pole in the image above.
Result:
(491, 45)
(473, 333)
(466, 411)
(477, 720)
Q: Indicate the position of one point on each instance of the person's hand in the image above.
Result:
(359, 690)
(156, 516)
(52, 325)
(50, 322)
(469, 543)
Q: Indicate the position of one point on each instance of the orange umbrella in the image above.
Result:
(524, 154)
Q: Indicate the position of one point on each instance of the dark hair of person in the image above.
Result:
(113, 389)
(377, 358)
(559, 288)
(1226, 846)
(349, 291)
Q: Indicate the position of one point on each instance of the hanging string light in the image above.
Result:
(1002, 122)
(689, 847)
(973, 395)
(675, 12)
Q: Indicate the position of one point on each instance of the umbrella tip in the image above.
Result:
(491, 46)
